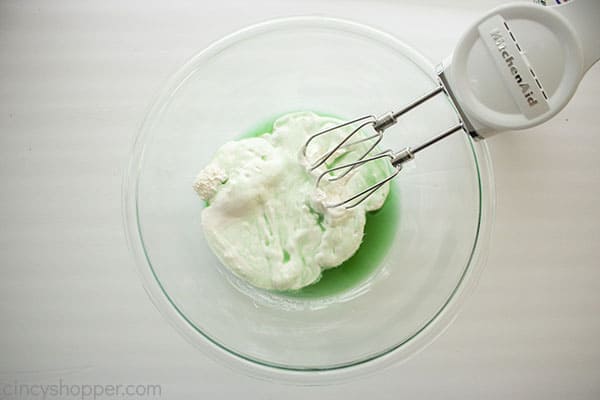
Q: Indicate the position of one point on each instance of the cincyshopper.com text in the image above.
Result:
(61, 390)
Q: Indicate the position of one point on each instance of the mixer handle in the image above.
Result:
(520, 64)
(584, 15)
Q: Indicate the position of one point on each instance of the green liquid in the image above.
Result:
(379, 233)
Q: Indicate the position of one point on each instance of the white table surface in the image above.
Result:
(75, 80)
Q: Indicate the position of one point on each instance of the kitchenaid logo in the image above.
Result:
(509, 59)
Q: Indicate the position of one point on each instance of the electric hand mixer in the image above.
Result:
(515, 68)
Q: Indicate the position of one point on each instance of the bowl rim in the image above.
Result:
(303, 376)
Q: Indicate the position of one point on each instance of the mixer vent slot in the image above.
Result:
(537, 81)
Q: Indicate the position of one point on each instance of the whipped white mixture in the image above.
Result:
(266, 220)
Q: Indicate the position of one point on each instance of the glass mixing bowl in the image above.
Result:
(445, 202)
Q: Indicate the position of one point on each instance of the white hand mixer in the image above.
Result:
(516, 67)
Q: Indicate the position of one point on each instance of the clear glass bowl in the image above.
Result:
(331, 66)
